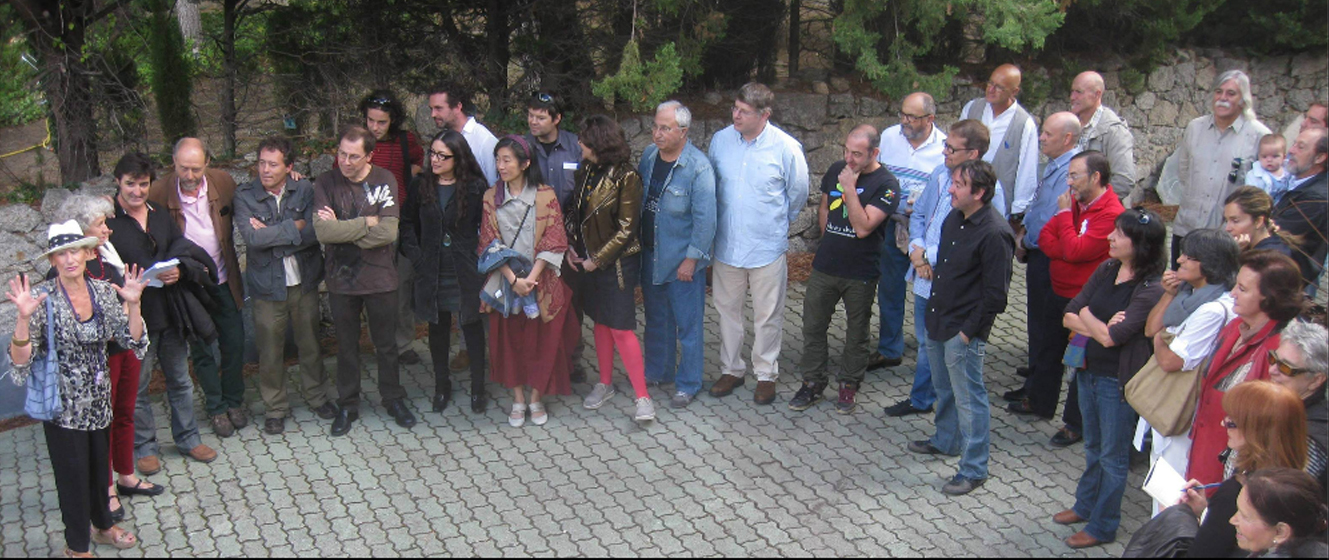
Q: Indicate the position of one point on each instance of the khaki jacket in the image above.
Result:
(221, 192)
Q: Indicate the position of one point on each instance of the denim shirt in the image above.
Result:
(1044, 205)
(265, 275)
(761, 186)
(685, 223)
(930, 211)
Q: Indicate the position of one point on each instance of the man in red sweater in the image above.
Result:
(1075, 242)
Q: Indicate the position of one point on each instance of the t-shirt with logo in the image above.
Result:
(841, 252)
(350, 269)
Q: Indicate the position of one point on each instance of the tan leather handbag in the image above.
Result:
(1166, 400)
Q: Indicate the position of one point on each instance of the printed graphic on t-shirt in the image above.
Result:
(842, 226)
(380, 194)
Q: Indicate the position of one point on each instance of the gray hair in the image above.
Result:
(1312, 341)
(682, 116)
(84, 209)
(1244, 85)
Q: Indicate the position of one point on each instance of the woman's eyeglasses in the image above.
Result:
(440, 156)
(1284, 367)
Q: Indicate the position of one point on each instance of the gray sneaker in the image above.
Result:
(599, 396)
(645, 410)
(680, 400)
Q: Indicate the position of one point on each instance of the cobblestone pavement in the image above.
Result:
(722, 477)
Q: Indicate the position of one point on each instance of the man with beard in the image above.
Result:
(1302, 210)
(1214, 154)
(858, 196)
(910, 151)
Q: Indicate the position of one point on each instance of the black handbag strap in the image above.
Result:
(405, 158)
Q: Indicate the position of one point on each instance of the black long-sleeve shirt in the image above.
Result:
(971, 276)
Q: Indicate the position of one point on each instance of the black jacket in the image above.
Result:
(146, 248)
(188, 301)
(425, 226)
(1302, 212)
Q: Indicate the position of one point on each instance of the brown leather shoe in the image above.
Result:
(1067, 517)
(765, 393)
(1082, 540)
(149, 465)
(202, 454)
(726, 385)
(461, 361)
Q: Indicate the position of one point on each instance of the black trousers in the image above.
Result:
(440, 338)
(1048, 339)
(81, 461)
(382, 312)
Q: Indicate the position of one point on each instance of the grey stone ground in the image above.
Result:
(722, 477)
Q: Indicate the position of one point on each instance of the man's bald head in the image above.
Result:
(1086, 95)
(1003, 86)
(191, 161)
(1060, 133)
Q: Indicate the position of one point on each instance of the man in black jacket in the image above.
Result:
(969, 284)
(143, 233)
(1301, 211)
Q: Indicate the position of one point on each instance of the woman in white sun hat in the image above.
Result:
(86, 314)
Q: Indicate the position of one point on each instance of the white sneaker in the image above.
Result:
(518, 416)
(645, 410)
(599, 396)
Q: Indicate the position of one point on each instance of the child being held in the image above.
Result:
(1269, 175)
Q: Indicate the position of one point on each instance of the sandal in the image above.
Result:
(518, 416)
(538, 415)
(69, 553)
(118, 513)
(116, 537)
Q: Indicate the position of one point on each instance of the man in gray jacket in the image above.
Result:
(274, 216)
(1104, 131)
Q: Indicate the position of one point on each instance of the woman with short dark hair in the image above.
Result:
(1266, 296)
(1111, 311)
(603, 219)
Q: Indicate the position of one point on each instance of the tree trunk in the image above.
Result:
(58, 37)
(191, 23)
(497, 29)
(229, 114)
(795, 47)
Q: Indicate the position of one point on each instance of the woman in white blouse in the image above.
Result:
(1195, 306)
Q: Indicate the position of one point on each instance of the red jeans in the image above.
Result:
(124, 370)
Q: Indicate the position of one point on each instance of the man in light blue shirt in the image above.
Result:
(762, 185)
(968, 140)
(1047, 336)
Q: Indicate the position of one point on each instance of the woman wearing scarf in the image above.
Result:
(1187, 319)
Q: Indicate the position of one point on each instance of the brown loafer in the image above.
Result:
(149, 465)
(1082, 540)
(726, 385)
(1067, 517)
(765, 393)
(202, 454)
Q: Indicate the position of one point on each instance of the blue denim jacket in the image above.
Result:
(498, 292)
(685, 223)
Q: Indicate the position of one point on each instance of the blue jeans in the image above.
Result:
(963, 412)
(891, 296)
(1109, 425)
(674, 313)
(922, 395)
(169, 348)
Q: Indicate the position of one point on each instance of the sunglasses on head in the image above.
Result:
(381, 102)
(543, 97)
(1284, 367)
(1144, 214)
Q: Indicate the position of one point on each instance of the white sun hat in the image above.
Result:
(67, 235)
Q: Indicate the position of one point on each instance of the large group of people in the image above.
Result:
(517, 239)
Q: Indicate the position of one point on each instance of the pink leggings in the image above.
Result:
(606, 339)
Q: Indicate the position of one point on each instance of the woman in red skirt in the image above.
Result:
(528, 352)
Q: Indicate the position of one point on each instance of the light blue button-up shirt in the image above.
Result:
(930, 211)
(1044, 205)
(761, 187)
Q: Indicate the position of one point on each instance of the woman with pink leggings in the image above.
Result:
(604, 252)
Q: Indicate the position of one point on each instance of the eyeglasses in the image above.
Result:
(440, 156)
(542, 97)
(949, 149)
(1284, 367)
(912, 118)
(1229, 424)
(1074, 177)
(1236, 168)
(998, 86)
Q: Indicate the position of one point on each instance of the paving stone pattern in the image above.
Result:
(721, 477)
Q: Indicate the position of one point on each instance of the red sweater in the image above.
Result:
(1232, 363)
(1076, 242)
(387, 154)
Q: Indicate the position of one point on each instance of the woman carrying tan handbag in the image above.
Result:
(1184, 325)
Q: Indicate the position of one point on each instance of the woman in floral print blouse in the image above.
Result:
(87, 314)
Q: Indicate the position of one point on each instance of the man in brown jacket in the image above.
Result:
(199, 198)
